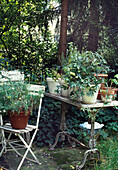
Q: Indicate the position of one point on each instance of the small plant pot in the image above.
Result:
(101, 77)
(53, 86)
(64, 92)
(107, 94)
(90, 99)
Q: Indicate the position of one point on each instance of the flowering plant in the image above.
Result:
(15, 97)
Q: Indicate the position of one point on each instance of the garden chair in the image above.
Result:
(6, 128)
(13, 75)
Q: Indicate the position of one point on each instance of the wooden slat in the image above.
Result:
(14, 75)
(34, 89)
(8, 127)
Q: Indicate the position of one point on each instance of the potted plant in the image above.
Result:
(64, 87)
(17, 102)
(103, 77)
(80, 73)
(65, 90)
(52, 80)
(108, 93)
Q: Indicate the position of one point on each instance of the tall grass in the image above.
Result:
(109, 154)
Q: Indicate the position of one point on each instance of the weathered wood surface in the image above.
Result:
(98, 104)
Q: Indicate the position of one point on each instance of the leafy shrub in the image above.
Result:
(107, 115)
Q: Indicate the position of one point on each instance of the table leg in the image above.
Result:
(63, 133)
(63, 126)
(92, 145)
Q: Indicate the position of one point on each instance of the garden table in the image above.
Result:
(92, 142)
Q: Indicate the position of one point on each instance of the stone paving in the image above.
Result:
(11, 160)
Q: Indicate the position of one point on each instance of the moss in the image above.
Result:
(68, 156)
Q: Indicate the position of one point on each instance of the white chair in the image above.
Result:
(33, 90)
(13, 75)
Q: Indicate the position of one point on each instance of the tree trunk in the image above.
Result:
(63, 29)
(93, 26)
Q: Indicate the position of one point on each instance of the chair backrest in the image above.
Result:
(34, 90)
(14, 75)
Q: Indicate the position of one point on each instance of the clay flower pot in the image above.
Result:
(107, 94)
(19, 121)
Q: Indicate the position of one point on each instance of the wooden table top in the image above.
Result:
(98, 103)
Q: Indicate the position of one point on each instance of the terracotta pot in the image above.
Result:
(19, 121)
(107, 94)
(101, 76)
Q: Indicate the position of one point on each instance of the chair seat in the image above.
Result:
(7, 127)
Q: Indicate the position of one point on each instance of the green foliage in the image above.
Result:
(109, 154)
(74, 118)
(78, 22)
(106, 115)
(114, 81)
(53, 73)
(112, 127)
(81, 68)
(49, 122)
(25, 38)
(15, 97)
(110, 53)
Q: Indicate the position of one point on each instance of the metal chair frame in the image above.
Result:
(6, 128)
